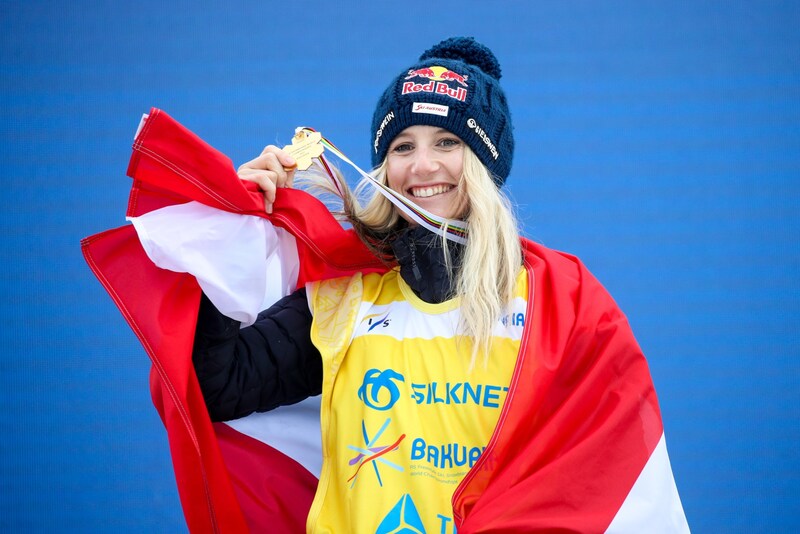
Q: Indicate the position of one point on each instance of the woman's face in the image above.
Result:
(425, 164)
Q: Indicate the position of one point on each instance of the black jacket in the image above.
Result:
(273, 362)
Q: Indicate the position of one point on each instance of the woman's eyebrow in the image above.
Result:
(401, 138)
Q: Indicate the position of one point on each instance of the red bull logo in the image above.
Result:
(450, 75)
(439, 77)
(427, 72)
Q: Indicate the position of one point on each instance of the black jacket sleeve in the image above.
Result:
(254, 369)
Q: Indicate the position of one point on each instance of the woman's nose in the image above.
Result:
(425, 162)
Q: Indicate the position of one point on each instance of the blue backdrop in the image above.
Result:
(659, 141)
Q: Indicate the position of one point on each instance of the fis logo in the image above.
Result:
(375, 320)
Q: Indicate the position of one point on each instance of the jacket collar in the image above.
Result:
(420, 254)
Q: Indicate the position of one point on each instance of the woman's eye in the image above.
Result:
(403, 147)
(450, 142)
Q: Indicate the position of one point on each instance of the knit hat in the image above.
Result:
(455, 86)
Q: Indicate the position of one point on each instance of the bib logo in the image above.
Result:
(403, 517)
(375, 383)
(445, 456)
(372, 453)
(438, 84)
(485, 395)
(513, 319)
(376, 320)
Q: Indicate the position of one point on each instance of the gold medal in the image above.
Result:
(305, 145)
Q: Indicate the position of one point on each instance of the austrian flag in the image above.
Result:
(579, 446)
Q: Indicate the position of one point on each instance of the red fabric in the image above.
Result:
(170, 165)
(579, 424)
(162, 319)
(274, 491)
(581, 418)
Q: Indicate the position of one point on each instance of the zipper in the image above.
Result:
(414, 268)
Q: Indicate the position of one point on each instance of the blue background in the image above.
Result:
(659, 141)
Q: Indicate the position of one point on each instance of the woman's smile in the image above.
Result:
(429, 191)
(425, 164)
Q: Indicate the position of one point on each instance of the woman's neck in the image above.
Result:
(423, 266)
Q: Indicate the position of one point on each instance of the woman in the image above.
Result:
(417, 366)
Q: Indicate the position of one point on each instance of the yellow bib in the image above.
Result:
(403, 415)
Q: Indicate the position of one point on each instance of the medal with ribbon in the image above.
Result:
(308, 144)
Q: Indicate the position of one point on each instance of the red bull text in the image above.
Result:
(438, 77)
(441, 88)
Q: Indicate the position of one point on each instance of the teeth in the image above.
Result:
(424, 192)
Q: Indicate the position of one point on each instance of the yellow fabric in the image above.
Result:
(403, 415)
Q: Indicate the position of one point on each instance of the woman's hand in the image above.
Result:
(274, 168)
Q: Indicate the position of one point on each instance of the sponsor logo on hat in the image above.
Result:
(440, 78)
(386, 120)
(433, 109)
(475, 127)
(438, 73)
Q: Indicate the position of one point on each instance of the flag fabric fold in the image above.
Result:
(171, 166)
(207, 243)
(579, 445)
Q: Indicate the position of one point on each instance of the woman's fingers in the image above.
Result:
(273, 169)
(266, 181)
(281, 162)
(286, 161)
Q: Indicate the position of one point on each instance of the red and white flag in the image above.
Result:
(579, 446)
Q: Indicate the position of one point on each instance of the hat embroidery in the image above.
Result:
(440, 78)
(386, 120)
(433, 109)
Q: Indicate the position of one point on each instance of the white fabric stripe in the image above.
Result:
(405, 318)
(242, 262)
(653, 504)
(293, 430)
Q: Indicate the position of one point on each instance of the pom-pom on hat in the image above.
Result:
(455, 85)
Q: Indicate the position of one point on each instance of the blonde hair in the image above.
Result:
(492, 257)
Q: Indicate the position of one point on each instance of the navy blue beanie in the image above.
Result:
(456, 86)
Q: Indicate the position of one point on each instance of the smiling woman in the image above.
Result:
(484, 384)
(426, 164)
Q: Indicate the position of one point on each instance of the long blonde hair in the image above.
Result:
(492, 257)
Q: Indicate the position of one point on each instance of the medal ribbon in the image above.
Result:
(454, 230)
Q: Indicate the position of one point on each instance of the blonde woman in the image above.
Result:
(485, 384)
